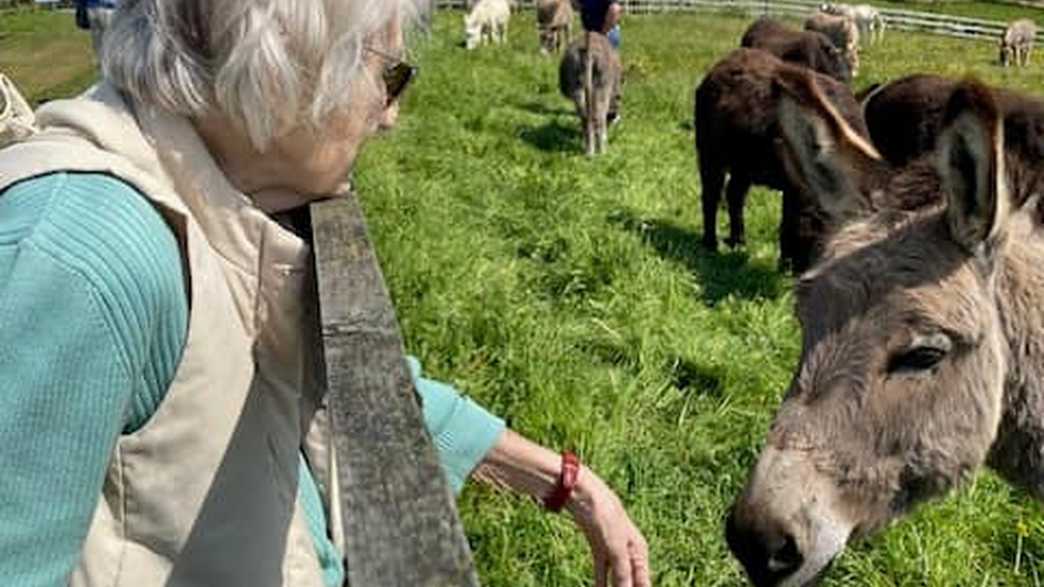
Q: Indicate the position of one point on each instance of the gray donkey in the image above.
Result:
(591, 79)
(554, 24)
(923, 338)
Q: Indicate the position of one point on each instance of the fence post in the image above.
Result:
(400, 518)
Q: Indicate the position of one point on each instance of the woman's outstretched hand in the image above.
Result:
(621, 556)
(617, 546)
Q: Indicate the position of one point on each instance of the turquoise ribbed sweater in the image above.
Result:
(93, 318)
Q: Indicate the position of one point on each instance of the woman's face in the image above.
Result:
(319, 160)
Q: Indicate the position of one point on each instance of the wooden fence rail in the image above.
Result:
(895, 19)
(400, 519)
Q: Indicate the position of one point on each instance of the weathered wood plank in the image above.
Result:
(400, 519)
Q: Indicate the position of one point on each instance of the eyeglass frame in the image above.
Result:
(396, 76)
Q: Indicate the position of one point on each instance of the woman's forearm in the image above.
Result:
(525, 467)
(618, 549)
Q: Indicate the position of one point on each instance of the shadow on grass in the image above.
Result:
(720, 274)
(553, 136)
(687, 375)
(543, 109)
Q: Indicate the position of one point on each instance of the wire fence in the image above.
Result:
(895, 19)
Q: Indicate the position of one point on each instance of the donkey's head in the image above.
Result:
(897, 396)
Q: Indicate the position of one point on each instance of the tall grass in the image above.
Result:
(571, 296)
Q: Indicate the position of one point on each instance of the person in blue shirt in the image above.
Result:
(602, 16)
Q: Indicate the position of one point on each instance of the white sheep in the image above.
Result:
(487, 21)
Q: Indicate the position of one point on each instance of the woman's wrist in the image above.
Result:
(531, 469)
(520, 465)
(581, 502)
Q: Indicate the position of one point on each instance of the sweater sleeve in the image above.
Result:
(463, 432)
(81, 300)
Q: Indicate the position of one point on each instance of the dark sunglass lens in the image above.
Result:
(397, 77)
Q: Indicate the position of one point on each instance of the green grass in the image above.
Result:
(570, 295)
(44, 53)
(988, 10)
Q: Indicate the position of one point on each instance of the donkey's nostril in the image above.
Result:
(767, 550)
(786, 558)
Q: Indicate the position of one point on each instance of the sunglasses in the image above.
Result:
(396, 76)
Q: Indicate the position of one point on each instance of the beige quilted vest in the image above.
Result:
(205, 493)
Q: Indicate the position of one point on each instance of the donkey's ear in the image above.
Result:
(970, 162)
(822, 155)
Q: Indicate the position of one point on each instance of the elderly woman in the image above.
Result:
(160, 418)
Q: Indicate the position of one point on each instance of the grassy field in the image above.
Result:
(570, 295)
(44, 53)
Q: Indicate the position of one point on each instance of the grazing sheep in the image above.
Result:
(596, 100)
(867, 18)
(809, 49)
(1017, 42)
(555, 24)
(487, 21)
(841, 31)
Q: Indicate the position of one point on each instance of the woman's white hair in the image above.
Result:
(266, 64)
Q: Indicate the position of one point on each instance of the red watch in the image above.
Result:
(567, 480)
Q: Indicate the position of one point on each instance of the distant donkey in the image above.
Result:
(842, 32)
(737, 123)
(923, 339)
(811, 49)
(1016, 43)
(486, 22)
(591, 79)
(554, 24)
(867, 18)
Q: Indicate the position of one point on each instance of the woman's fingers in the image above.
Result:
(601, 570)
(620, 559)
(640, 562)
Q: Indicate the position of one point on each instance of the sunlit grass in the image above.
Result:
(571, 296)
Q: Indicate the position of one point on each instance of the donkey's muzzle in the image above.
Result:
(768, 552)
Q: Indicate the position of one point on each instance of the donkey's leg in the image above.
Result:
(800, 233)
(605, 93)
(712, 180)
(590, 131)
(736, 196)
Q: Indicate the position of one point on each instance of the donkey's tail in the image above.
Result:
(589, 103)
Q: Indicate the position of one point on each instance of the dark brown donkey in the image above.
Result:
(737, 130)
(904, 118)
(923, 339)
(811, 49)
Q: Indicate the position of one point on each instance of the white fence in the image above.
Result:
(895, 19)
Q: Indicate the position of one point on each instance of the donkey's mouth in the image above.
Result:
(798, 580)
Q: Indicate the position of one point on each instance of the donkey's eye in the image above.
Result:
(917, 359)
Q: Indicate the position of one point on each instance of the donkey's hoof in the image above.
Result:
(734, 242)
